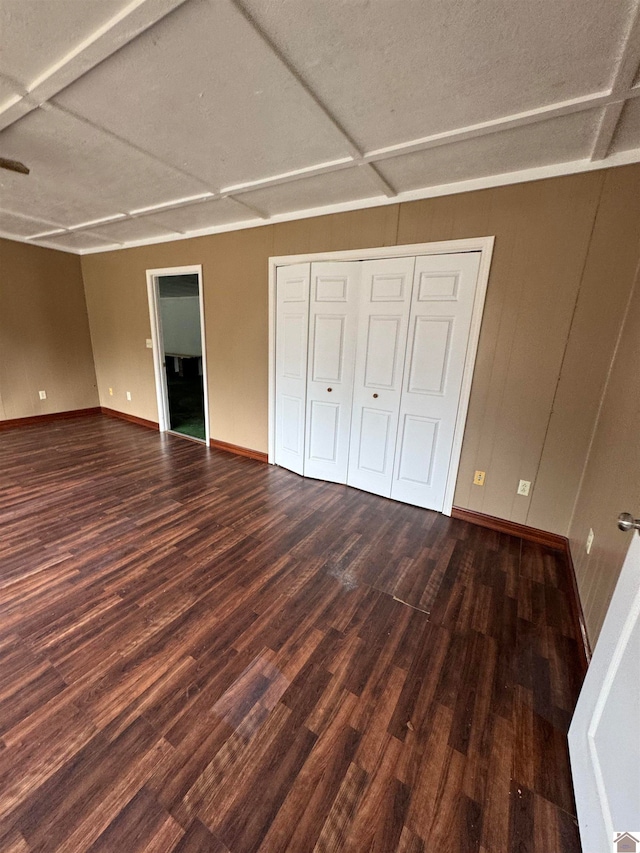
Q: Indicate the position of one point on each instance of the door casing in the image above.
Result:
(484, 245)
(153, 296)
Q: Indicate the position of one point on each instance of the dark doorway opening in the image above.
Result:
(179, 299)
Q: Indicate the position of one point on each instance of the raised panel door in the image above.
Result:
(292, 301)
(444, 289)
(333, 311)
(385, 300)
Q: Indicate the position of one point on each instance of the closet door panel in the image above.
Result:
(292, 306)
(332, 329)
(373, 442)
(385, 299)
(442, 304)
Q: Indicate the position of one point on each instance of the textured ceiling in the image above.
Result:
(148, 120)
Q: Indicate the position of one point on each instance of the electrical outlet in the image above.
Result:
(149, 343)
(523, 487)
(128, 395)
(43, 395)
(590, 539)
(478, 478)
(111, 392)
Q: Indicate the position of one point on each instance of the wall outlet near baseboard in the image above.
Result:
(523, 487)
(42, 395)
(111, 392)
(128, 395)
(478, 478)
(590, 539)
(149, 343)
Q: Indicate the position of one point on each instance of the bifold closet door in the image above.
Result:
(292, 307)
(333, 319)
(441, 309)
(385, 302)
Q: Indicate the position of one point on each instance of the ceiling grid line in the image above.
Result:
(509, 122)
(374, 174)
(55, 106)
(356, 153)
(624, 75)
(606, 130)
(629, 60)
(94, 49)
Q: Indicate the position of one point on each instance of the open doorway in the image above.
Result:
(177, 329)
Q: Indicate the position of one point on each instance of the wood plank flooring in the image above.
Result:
(204, 654)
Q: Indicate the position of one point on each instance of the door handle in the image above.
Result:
(627, 522)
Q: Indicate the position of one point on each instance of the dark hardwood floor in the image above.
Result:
(200, 653)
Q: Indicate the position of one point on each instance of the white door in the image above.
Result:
(444, 288)
(604, 737)
(292, 300)
(385, 301)
(333, 319)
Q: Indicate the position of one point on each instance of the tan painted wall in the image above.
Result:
(44, 333)
(611, 483)
(562, 268)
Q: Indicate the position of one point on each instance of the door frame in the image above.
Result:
(484, 245)
(162, 397)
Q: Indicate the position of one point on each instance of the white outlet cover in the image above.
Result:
(523, 487)
(43, 395)
(128, 395)
(149, 343)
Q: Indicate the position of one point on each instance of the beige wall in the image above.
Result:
(548, 402)
(44, 333)
(611, 483)
(562, 269)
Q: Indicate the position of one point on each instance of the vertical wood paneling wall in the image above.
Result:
(44, 333)
(564, 263)
(611, 483)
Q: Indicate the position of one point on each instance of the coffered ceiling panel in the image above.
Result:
(628, 133)
(566, 138)
(205, 214)
(35, 34)
(332, 188)
(143, 120)
(403, 69)
(78, 241)
(123, 230)
(50, 200)
(71, 159)
(202, 91)
(18, 226)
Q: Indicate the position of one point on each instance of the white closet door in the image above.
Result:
(333, 313)
(292, 300)
(442, 304)
(382, 333)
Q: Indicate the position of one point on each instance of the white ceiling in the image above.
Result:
(149, 120)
